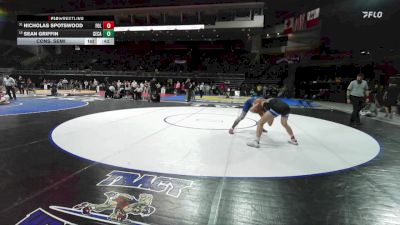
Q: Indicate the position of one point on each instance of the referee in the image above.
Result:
(357, 92)
(9, 82)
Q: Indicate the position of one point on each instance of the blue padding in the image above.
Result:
(296, 102)
(179, 98)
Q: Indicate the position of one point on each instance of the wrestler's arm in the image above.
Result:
(256, 105)
(253, 109)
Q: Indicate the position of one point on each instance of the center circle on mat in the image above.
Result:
(140, 139)
(207, 121)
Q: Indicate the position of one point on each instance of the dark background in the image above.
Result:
(342, 21)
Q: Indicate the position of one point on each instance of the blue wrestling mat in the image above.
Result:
(38, 105)
(206, 99)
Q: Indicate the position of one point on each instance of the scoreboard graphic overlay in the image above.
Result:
(65, 30)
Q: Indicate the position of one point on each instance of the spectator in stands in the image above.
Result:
(120, 92)
(182, 87)
(163, 90)
(109, 90)
(283, 92)
(213, 89)
(146, 91)
(21, 85)
(153, 89)
(134, 86)
(252, 92)
(193, 91)
(243, 90)
(96, 85)
(45, 84)
(59, 84)
(77, 85)
(188, 89)
(259, 89)
(201, 89)
(207, 88)
(222, 88)
(138, 91)
(177, 88)
(10, 84)
(86, 84)
(152, 86)
(265, 90)
(128, 88)
(65, 84)
(70, 84)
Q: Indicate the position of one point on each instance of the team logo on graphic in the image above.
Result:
(372, 14)
(118, 208)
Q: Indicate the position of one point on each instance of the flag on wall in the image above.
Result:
(288, 27)
(299, 23)
(312, 18)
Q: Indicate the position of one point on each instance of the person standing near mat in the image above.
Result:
(246, 107)
(390, 99)
(21, 85)
(188, 89)
(272, 108)
(9, 82)
(357, 93)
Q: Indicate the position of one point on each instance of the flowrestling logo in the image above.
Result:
(372, 14)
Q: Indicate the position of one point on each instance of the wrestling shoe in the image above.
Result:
(231, 131)
(293, 141)
(253, 144)
(265, 131)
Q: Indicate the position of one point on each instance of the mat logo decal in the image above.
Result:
(121, 205)
(372, 14)
(171, 186)
(118, 208)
